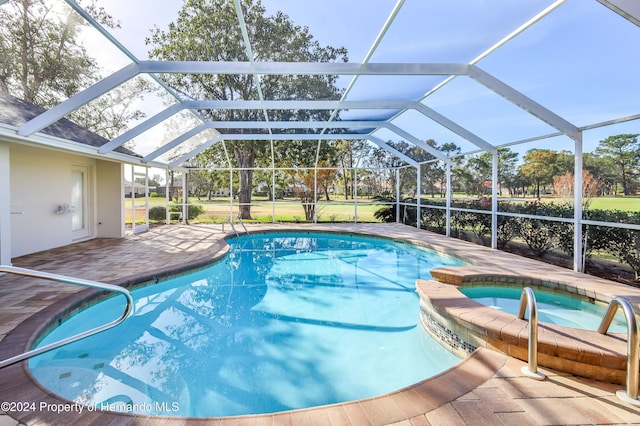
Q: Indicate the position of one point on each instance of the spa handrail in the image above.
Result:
(633, 351)
(67, 280)
(528, 302)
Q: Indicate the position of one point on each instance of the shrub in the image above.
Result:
(387, 213)
(540, 235)
(157, 213)
(194, 210)
(160, 213)
(434, 220)
(537, 235)
(624, 243)
(508, 229)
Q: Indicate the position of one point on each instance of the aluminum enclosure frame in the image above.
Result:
(30, 131)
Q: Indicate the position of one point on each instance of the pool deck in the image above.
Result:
(486, 388)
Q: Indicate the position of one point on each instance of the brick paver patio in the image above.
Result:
(486, 388)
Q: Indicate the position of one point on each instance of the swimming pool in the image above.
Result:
(285, 321)
(553, 307)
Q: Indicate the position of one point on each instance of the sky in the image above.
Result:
(581, 61)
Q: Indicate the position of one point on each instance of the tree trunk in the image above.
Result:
(245, 156)
(624, 180)
(345, 182)
(270, 193)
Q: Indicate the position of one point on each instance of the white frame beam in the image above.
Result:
(628, 9)
(454, 127)
(302, 68)
(578, 263)
(195, 151)
(417, 142)
(392, 150)
(174, 143)
(524, 102)
(354, 124)
(140, 128)
(73, 103)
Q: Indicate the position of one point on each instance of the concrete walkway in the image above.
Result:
(487, 388)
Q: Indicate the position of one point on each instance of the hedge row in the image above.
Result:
(540, 235)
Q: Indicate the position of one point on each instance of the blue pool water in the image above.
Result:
(553, 307)
(285, 321)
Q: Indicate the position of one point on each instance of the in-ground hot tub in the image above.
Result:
(463, 324)
(554, 307)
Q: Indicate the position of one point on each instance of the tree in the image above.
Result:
(347, 154)
(43, 62)
(207, 30)
(451, 149)
(198, 183)
(110, 114)
(379, 179)
(434, 172)
(539, 167)
(563, 187)
(430, 171)
(603, 170)
(476, 174)
(383, 159)
(507, 160)
(325, 177)
(624, 150)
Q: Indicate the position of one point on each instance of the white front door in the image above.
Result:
(79, 196)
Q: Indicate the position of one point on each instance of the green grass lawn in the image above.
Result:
(290, 210)
(285, 210)
(630, 203)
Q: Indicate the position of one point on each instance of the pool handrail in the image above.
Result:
(528, 303)
(75, 281)
(246, 231)
(243, 226)
(633, 351)
(233, 227)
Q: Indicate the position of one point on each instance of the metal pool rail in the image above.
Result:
(633, 351)
(67, 280)
(528, 302)
(246, 231)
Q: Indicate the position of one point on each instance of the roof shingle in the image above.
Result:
(16, 112)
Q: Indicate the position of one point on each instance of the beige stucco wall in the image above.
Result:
(110, 198)
(41, 181)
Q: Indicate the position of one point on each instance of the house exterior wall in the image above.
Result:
(110, 199)
(5, 205)
(41, 181)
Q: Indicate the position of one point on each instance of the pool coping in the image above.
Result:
(388, 408)
(23, 387)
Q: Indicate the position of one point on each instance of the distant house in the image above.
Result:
(137, 188)
(292, 189)
(54, 188)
